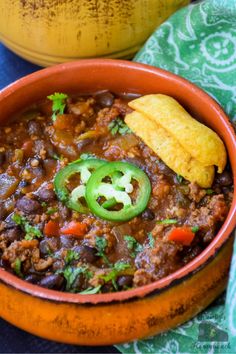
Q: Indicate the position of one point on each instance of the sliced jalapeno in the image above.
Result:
(72, 199)
(113, 182)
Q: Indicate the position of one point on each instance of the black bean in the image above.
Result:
(107, 288)
(105, 99)
(46, 194)
(67, 242)
(44, 247)
(33, 278)
(3, 212)
(34, 128)
(148, 214)
(2, 157)
(125, 281)
(12, 234)
(225, 190)
(28, 206)
(224, 179)
(49, 245)
(54, 281)
(50, 150)
(87, 254)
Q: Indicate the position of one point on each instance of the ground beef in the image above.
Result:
(209, 216)
(196, 193)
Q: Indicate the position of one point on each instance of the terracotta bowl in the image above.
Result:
(123, 316)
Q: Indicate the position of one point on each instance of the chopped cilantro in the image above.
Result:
(118, 126)
(18, 219)
(17, 268)
(51, 211)
(116, 270)
(44, 204)
(71, 255)
(58, 103)
(133, 245)
(151, 240)
(179, 178)
(195, 229)
(30, 231)
(209, 191)
(87, 156)
(71, 274)
(167, 221)
(120, 266)
(91, 291)
(101, 244)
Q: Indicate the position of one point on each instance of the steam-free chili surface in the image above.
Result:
(45, 242)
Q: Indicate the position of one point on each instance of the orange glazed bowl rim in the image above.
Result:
(51, 79)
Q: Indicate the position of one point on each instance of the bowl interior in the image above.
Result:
(89, 76)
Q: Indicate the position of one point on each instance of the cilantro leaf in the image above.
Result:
(195, 229)
(51, 211)
(133, 245)
(90, 291)
(101, 244)
(71, 255)
(30, 231)
(118, 126)
(115, 272)
(179, 178)
(209, 191)
(58, 103)
(120, 266)
(151, 240)
(71, 274)
(167, 221)
(17, 268)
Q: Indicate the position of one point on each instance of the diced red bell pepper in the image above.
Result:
(74, 228)
(51, 228)
(182, 234)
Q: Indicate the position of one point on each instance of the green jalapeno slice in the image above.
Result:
(72, 199)
(118, 191)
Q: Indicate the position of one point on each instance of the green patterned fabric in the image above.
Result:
(199, 43)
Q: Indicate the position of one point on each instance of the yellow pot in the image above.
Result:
(47, 32)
